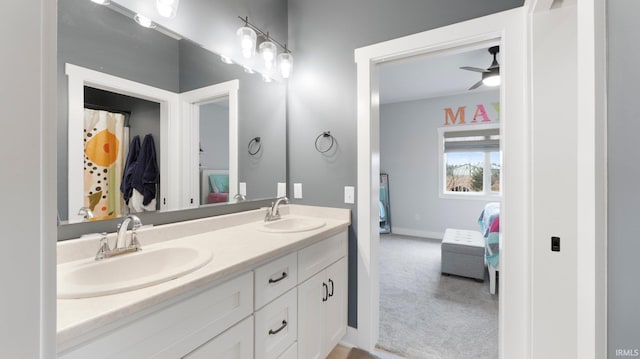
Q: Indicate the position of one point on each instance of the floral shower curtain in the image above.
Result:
(104, 141)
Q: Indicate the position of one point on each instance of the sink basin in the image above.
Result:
(291, 225)
(91, 278)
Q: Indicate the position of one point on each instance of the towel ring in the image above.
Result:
(254, 141)
(325, 135)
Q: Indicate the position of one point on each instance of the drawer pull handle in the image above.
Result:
(274, 332)
(331, 282)
(326, 292)
(284, 275)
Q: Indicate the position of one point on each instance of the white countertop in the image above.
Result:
(238, 246)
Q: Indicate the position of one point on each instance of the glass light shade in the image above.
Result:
(286, 64)
(167, 8)
(247, 38)
(268, 52)
(101, 2)
(144, 21)
(492, 80)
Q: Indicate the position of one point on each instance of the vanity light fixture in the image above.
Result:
(167, 8)
(144, 21)
(249, 35)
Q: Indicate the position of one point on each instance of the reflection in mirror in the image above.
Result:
(98, 38)
(214, 151)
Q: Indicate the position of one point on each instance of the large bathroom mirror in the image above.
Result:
(197, 148)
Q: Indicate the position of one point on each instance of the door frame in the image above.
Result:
(508, 27)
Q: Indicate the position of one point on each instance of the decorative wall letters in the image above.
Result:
(480, 115)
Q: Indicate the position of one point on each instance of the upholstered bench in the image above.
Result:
(463, 253)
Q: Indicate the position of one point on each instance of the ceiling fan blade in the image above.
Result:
(476, 85)
(473, 69)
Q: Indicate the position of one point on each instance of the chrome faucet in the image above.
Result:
(240, 197)
(86, 213)
(122, 232)
(273, 213)
(120, 246)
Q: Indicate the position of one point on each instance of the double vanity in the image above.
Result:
(232, 286)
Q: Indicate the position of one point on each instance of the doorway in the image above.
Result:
(506, 28)
(439, 146)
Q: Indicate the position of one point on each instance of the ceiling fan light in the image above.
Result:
(491, 80)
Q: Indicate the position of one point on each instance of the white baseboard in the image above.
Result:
(350, 338)
(417, 233)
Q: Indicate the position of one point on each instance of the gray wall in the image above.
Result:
(623, 173)
(323, 36)
(409, 154)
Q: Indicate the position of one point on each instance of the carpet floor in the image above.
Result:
(424, 314)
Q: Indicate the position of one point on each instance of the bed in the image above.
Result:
(214, 186)
(489, 222)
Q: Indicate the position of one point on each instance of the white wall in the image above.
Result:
(554, 155)
(409, 154)
(28, 156)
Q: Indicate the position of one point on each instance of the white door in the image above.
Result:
(312, 297)
(335, 316)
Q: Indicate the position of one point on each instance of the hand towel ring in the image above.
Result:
(254, 141)
(325, 135)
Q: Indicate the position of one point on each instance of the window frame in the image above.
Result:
(486, 194)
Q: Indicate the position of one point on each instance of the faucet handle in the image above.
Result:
(104, 249)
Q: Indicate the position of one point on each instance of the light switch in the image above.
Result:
(297, 190)
(349, 194)
(243, 188)
(282, 189)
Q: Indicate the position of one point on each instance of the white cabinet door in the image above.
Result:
(335, 316)
(311, 300)
(235, 343)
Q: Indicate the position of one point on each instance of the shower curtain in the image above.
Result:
(104, 141)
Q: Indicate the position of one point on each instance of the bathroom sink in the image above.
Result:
(291, 225)
(91, 278)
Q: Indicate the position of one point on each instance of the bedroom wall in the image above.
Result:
(322, 91)
(623, 128)
(409, 154)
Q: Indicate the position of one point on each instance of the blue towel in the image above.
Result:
(126, 186)
(146, 174)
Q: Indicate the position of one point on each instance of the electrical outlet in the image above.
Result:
(243, 188)
(282, 189)
(297, 190)
(349, 194)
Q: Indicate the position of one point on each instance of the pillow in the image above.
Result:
(221, 182)
(212, 185)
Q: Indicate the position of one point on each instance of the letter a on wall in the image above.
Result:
(480, 111)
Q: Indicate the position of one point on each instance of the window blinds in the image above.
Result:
(472, 141)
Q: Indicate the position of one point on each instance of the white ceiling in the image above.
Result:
(429, 76)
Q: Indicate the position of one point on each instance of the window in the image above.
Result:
(471, 161)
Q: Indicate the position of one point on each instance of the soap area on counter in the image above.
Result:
(231, 284)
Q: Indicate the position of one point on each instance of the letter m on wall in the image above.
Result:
(458, 117)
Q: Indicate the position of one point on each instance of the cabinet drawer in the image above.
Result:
(316, 257)
(275, 278)
(235, 343)
(291, 353)
(276, 326)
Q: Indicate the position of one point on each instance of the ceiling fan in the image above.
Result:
(491, 75)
